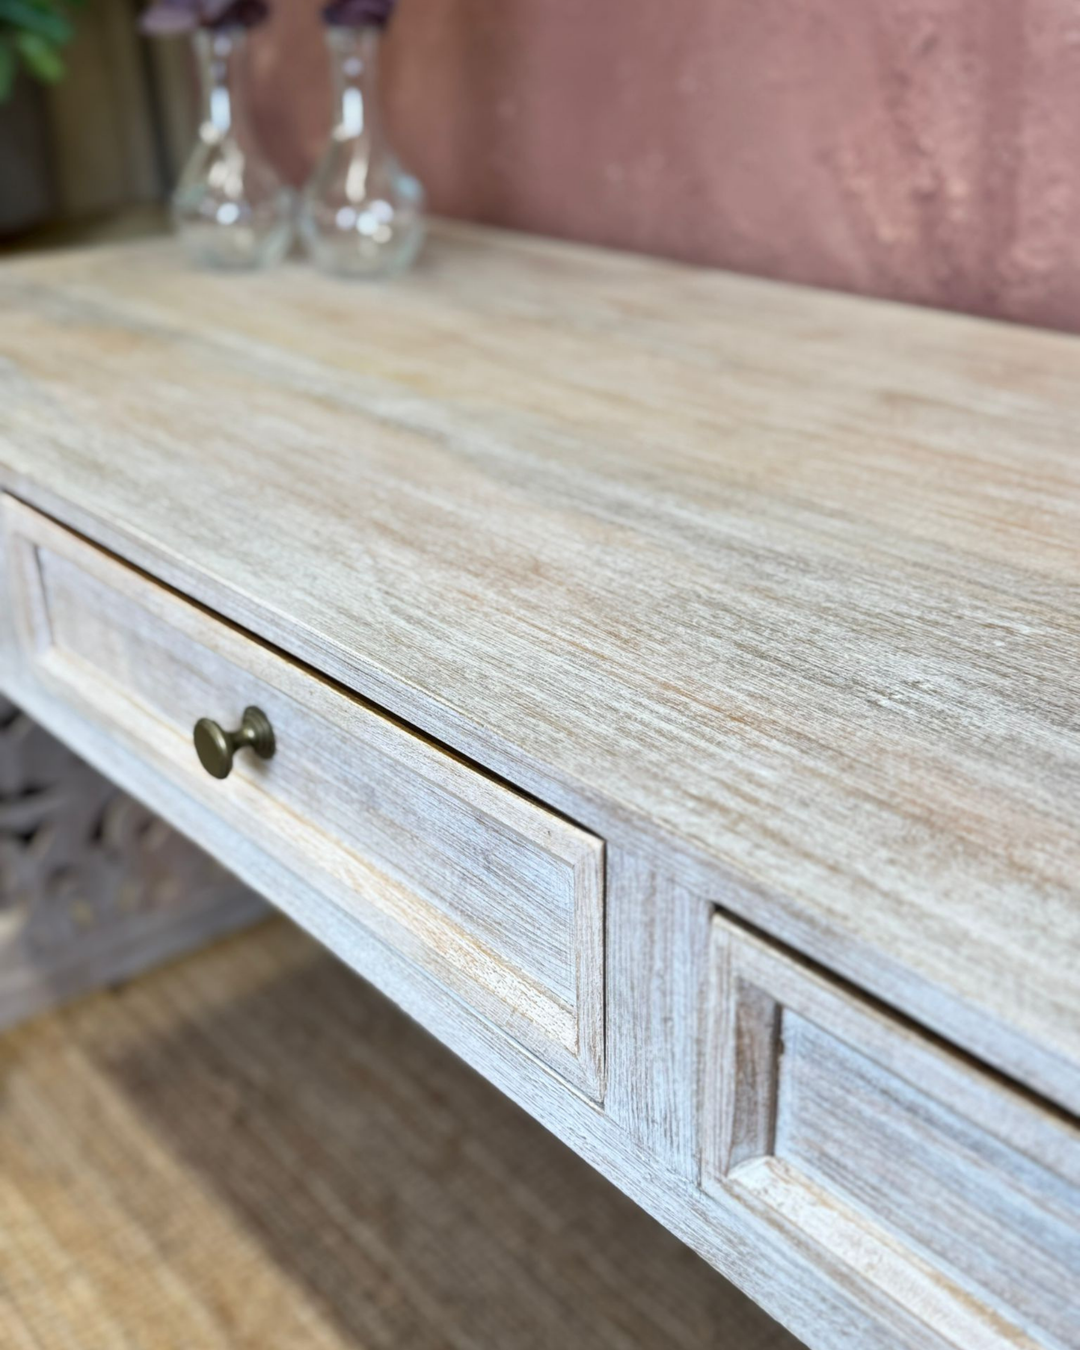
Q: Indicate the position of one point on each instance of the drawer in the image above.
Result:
(901, 1166)
(495, 897)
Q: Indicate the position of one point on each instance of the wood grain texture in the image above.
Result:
(500, 899)
(80, 641)
(973, 1205)
(775, 1267)
(784, 581)
(784, 1275)
(913, 1171)
(656, 962)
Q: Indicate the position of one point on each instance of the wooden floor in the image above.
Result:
(253, 1149)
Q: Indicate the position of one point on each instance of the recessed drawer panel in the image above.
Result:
(898, 1162)
(498, 898)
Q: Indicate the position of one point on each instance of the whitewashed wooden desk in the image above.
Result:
(676, 689)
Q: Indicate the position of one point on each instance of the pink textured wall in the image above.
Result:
(926, 149)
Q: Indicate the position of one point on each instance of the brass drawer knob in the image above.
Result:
(216, 748)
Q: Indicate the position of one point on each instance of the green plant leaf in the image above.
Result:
(40, 57)
(45, 20)
(9, 65)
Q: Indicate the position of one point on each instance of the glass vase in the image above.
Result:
(230, 208)
(362, 214)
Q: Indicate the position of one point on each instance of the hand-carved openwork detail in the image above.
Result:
(76, 854)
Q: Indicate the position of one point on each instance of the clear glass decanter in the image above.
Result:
(362, 214)
(230, 208)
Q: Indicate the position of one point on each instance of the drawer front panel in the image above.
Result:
(906, 1167)
(496, 897)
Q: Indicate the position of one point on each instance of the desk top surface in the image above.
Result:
(789, 581)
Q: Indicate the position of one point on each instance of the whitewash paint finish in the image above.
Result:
(915, 1171)
(657, 967)
(783, 579)
(772, 592)
(501, 899)
(820, 1305)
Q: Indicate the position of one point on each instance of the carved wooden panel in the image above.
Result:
(92, 885)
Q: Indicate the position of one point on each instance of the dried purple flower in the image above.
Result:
(238, 13)
(166, 17)
(358, 13)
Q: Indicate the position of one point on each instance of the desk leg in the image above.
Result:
(93, 887)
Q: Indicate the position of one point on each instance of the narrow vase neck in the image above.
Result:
(221, 61)
(354, 54)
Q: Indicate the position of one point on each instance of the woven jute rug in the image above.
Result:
(252, 1150)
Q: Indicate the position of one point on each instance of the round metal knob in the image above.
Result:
(216, 748)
